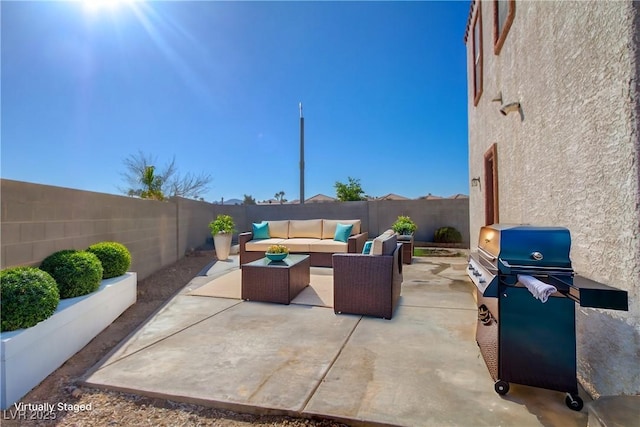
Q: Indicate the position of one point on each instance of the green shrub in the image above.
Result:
(29, 295)
(447, 235)
(76, 272)
(404, 225)
(222, 224)
(114, 256)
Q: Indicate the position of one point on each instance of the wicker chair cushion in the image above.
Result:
(384, 244)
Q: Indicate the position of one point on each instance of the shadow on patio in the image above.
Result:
(423, 367)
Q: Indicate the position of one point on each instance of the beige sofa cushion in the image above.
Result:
(329, 246)
(378, 243)
(279, 229)
(329, 227)
(261, 245)
(305, 228)
(298, 244)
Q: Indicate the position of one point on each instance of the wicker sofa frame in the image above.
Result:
(355, 244)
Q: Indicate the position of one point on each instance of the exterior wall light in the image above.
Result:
(510, 108)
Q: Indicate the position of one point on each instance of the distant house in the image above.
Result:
(430, 197)
(320, 198)
(392, 196)
(554, 139)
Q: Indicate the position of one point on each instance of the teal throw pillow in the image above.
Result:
(366, 250)
(261, 231)
(343, 231)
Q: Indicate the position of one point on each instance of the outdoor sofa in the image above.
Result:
(369, 284)
(320, 238)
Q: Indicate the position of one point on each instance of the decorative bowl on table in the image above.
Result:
(276, 257)
(277, 252)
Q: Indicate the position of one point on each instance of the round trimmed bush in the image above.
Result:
(114, 256)
(75, 272)
(29, 295)
(447, 235)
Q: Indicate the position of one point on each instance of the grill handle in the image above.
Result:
(589, 293)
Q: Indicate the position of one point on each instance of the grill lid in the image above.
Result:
(526, 245)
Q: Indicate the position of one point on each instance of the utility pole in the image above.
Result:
(301, 156)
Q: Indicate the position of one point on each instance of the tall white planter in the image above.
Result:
(222, 242)
(30, 355)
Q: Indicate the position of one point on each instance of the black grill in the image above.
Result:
(522, 339)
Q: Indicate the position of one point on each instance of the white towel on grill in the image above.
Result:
(537, 288)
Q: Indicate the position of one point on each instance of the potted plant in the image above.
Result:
(222, 229)
(277, 252)
(404, 226)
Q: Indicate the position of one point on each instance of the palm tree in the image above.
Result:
(279, 196)
(152, 184)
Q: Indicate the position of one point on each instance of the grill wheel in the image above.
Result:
(502, 387)
(574, 402)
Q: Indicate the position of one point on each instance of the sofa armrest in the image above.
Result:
(356, 242)
(243, 238)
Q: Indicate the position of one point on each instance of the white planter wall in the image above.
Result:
(30, 355)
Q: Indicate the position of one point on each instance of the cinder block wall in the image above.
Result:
(377, 216)
(193, 223)
(38, 220)
(429, 215)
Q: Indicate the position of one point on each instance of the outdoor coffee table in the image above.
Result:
(275, 281)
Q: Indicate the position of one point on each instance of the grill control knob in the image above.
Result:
(537, 256)
(482, 280)
(476, 273)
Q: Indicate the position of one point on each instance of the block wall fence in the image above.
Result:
(37, 220)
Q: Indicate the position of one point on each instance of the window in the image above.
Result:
(503, 13)
(477, 54)
(491, 214)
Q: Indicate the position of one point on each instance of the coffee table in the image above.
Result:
(275, 281)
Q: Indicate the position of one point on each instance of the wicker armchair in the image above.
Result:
(368, 284)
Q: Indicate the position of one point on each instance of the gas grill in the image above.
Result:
(522, 339)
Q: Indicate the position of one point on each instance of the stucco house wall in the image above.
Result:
(571, 158)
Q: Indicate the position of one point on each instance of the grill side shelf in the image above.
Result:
(589, 293)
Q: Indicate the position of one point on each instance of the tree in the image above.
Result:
(349, 192)
(248, 200)
(139, 168)
(279, 196)
(152, 185)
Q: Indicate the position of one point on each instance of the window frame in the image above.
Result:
(477, 62)
(500, 34)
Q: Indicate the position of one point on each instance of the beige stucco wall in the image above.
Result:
(571, 159)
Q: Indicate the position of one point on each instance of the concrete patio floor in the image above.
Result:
(422, 368)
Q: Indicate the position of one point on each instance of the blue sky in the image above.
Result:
(217, 84)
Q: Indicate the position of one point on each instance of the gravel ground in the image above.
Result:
(74, 405)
